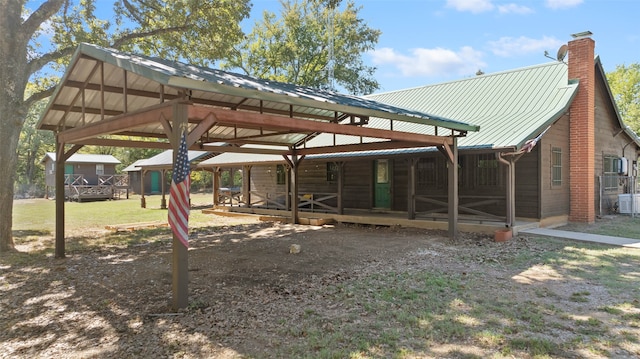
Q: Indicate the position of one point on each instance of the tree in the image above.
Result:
(36, 42)
(32, 147)
(296, 48)
(624, 82)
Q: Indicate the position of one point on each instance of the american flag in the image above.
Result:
(179, 202)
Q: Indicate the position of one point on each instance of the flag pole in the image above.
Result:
(180, 257)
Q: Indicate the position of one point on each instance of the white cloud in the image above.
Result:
(474, 6)
(431, 62)
(510, 46)
(563, 4)
(514, 9)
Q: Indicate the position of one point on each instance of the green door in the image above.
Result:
(68, 169)
(382, 192)
(155, 181)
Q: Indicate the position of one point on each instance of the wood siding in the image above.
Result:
(555, 197)
(609, 141)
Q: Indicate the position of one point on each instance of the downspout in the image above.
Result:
(510, 195)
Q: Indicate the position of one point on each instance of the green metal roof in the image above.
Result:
(511, 107)
(149, 79)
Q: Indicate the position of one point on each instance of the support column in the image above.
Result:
(163, 201)
(59, 176)
(180, 256)
(453, 189)
(143, 201)
(411, 188)
(294, 189)
(247, 170)
(340, 186)
(61, 158)
(216, 186)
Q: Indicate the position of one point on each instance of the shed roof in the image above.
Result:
(101, 85)
(511, 107)
(84, 158)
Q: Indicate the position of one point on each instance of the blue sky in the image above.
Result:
(431, 41)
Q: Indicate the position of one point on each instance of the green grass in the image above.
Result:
(39, 215)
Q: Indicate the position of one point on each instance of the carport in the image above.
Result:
(110, 98)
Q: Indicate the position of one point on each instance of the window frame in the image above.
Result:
(556, 166)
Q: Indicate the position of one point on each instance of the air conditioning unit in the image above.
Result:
(625, 204)
(52, 172)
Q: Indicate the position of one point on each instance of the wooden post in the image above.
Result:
(180, 251)
(411, 188)
(163, 201)
(340, 186)
(143, 201)
(61, 158)
(247, 170)
(216, 186)
(453, 190)
(59, 176)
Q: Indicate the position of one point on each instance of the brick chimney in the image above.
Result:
(582, 129)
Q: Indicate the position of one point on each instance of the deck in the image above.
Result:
(378, 218)
(109, 187)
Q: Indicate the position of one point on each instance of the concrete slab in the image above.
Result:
(585, 237)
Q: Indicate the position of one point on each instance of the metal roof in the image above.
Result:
(511, 107)
(85, 158)
(102, 84)
(165, 160)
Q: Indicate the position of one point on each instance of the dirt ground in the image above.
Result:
(245, 289)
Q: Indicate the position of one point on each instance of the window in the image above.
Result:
(99, 169)
(332, 172)
(487, 170)
(281, 175)
(610, 169)
(556, 166)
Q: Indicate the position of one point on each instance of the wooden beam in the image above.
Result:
(279, 123)
(124, 143)
(201, 128)
(196, 100)
(115, 124)
(234, 149)
(372, 146)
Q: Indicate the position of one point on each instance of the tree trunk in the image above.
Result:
(13, 69)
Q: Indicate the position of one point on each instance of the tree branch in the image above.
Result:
(139, 35)
(38, 96)
(39, 62)
(42, 14)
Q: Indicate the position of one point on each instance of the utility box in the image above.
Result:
(624, 203)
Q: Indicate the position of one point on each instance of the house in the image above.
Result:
(552, 148)
(86, 176)
(146, 175)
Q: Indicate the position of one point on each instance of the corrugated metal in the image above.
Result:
(165, 159)
(146, 77)
(85, 158)
(510, 107)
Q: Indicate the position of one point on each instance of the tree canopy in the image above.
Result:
(624, 82)
(36, 42)
(313, 43)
